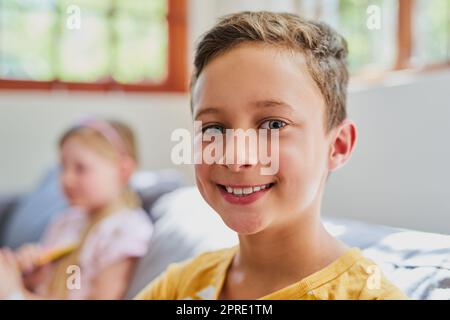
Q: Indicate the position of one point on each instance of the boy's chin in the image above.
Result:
(245, 225)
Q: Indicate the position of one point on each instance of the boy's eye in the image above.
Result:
(213, 129)
(273, 124)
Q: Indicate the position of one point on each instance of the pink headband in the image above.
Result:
(107, 131)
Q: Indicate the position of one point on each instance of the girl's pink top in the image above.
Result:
(122, 235)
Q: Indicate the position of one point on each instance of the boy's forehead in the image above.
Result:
(245, 61)
(254, 75)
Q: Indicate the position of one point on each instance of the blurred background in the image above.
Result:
(130, 59)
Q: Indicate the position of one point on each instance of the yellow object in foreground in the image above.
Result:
(351, 277)
(56, 253)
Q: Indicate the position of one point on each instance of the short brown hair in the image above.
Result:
(324, 49)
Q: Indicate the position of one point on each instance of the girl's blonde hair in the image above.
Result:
(100, 142)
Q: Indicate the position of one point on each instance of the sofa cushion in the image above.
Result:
(28, 220)
(417, 262)
(7, 204)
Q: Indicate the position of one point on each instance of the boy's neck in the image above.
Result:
(296, 249)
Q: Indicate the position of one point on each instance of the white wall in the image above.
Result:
(397, 176)
(400, 172)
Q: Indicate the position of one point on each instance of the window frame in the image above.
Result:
(404, 52)
(405, 43)
(176, 80)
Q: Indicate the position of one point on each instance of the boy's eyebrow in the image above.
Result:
(270, 103)
(206, 111)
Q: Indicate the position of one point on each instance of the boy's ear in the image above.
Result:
(342, 145)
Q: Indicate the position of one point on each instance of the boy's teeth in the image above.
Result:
(246, 191)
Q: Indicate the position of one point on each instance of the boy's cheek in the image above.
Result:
(298, 170)
(202, 172)
(292, 162)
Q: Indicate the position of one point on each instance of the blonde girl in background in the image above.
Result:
(88, 252)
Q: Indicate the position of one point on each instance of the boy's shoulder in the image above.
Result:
(184, 280)
(375, 284)
(362, 280)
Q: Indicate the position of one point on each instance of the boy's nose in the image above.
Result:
(239, 167)
(242, 159)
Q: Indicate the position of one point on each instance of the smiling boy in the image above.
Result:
(263, 70)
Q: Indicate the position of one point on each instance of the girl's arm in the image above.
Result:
(112, 282)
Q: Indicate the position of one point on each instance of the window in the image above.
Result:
(432, 27)
(387, 35)
(371, 46)
(98, 45)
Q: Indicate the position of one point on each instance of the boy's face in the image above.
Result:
(256, 86)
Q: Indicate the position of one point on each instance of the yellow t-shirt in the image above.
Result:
(350, 277)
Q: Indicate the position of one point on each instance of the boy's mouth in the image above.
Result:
(243, 194)
(245, 190)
